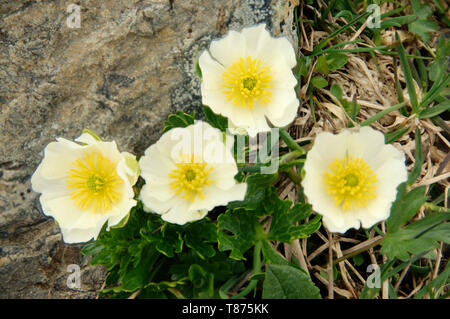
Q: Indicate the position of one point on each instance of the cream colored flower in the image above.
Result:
(85, 184)
(188, 172)
(247, 76)
(351, 178)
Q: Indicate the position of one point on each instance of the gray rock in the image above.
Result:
(128, 66)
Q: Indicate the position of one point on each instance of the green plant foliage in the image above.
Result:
(283, 281)
(215, 120)
(247, 248)
(178, 119)
(417, 237)
(284, 218)
(319, 82)
(422, 26)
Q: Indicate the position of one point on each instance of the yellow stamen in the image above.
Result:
(95, 183)
(189, 178)
(246, 82)
(351, 183)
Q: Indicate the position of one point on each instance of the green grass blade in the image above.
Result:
(408, 76)
(339, 31)
(440, 84)
(435, 110)
(380, 114)
(418, 159)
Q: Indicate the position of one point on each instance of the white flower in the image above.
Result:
(85, 184)
(247, 76)
(351, 178)
(188, 172)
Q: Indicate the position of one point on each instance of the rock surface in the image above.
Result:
(121, 73)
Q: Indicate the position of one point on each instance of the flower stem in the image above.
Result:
(290, 142)
(296, 178)
(290, 156)
(256, 269)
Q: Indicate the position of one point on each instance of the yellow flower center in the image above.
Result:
(190, 178)
(246, 81)
(351, 182)
(95, 183)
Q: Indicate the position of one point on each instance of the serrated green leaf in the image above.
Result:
(283, 226)
(238, 231)
(215, 120)
(415, 238)
(286, 282)
(197, 275)
(200, 236)
(138, 275)
(423, 27)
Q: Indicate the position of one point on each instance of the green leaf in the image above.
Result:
(319, 82)
(336, 90)
(257, 186)
(397, 21)
(138, 275)
(303, 65)
(238, 231)
(351, 108)
(435, 110)
(417, 237)
(286, 282)
(336, 60)
(197, 275)
(179, 119)
(199, 236)
(438, 283)
(423, 27)
(92, 248)
(271, 256)
(358, 260)
(322, 65)
(405, 206)
(283, 226)
(215, 120)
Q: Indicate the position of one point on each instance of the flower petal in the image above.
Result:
(258, 40)
(229, 49)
